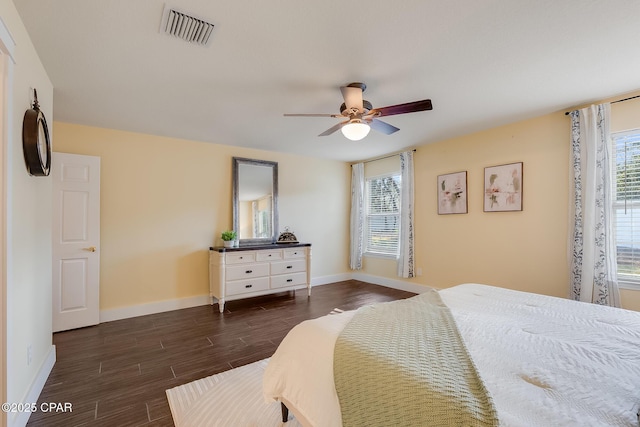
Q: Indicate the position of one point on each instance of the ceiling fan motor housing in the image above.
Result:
(366, 106)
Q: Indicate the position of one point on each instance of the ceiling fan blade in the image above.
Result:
(352, 97)
(313, 115)
(332, 129)
(409, 107)
(382, 127)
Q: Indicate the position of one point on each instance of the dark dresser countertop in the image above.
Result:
(258, 247)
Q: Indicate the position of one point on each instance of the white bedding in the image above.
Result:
(545, 361)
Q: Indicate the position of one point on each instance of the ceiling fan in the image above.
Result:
(360, 115)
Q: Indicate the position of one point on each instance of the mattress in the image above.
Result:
(545, 361)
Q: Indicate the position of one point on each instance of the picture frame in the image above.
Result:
(452, 193)
(503, 188)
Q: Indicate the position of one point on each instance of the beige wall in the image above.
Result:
(28, 229)
(519, 250)
(164, 201)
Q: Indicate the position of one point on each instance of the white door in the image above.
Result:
(76, 241)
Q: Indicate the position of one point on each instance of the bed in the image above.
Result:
(544, 361)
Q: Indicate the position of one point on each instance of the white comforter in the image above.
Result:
(545, 361)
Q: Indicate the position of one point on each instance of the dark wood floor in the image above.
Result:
(116, 373)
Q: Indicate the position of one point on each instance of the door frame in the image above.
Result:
(7, 62)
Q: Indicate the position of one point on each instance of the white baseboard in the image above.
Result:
(152, 308)
(20, 418)
(391, 283)
(325, 280)
(177, 304)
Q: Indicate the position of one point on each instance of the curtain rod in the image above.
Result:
(613, 102)
(384, 157)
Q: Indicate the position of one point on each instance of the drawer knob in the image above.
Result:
(289, 280)
(249, 271)
(248, 286)
(289, 266)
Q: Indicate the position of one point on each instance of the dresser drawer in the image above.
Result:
(291, 266)
(240, 257)
(286, 280)
(269, 256)
(249, 285)
(294, 253)
(238, 272)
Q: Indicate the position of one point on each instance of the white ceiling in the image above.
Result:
(483, 63)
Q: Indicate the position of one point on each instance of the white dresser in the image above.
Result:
(250, 271)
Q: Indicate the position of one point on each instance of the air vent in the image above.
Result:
(186, 27)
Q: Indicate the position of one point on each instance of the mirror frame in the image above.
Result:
(237, 161)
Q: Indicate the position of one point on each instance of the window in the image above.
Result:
(382, 215)
(626, 204)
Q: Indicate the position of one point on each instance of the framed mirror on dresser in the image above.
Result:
(255, 200)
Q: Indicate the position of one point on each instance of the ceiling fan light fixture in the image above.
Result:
(355, 130)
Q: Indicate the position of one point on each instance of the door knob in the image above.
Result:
(90, 249)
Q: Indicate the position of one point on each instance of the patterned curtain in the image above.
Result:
(405, 258)
(357, 216)
(592, 242)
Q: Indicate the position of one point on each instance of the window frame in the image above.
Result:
(367, 249)
(625, 280)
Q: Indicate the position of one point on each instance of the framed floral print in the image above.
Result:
(503, 188)
(452, 193)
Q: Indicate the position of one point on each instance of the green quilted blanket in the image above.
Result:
(403, 363)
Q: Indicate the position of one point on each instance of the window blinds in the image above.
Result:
(383, 215)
